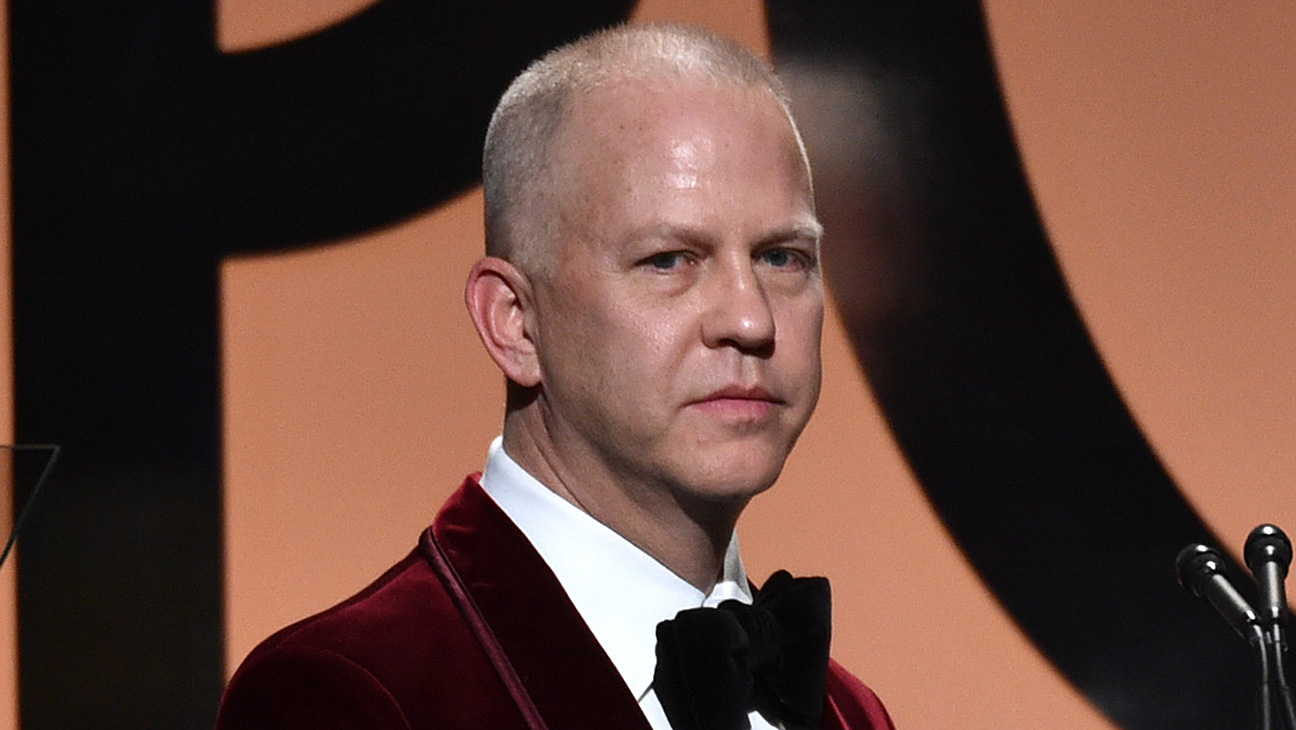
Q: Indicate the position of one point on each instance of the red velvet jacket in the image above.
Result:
(471, 630)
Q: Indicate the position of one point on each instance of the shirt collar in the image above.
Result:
(621, 591)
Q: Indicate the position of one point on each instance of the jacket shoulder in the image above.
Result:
(391, 656)
(301, 686)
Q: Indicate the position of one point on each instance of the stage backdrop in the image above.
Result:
(357, 395)
(239, 238)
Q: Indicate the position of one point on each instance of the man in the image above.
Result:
(652, 293)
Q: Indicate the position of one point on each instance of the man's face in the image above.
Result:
(678, 326)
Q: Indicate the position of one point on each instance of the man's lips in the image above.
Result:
(740, 392)
(738, 401)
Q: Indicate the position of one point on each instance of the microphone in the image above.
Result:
(1201, 571)
(1268, 554)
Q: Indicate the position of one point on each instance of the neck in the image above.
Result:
(690, 537)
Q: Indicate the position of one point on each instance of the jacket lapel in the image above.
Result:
(561, 666)
(850, 705)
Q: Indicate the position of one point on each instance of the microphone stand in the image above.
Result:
(1277, 647)
(1265, 699)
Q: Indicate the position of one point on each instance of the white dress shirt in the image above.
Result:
(621, 591)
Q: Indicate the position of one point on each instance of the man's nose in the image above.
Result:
(738, 312)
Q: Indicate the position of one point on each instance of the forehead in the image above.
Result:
(633, 112)
(662, 142)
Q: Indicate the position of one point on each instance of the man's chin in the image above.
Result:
(735, 481)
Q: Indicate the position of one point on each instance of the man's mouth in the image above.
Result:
(740, 402)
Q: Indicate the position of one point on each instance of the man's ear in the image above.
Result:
(499, 300)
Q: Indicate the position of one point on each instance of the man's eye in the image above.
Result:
(667, 260)
(781, 258)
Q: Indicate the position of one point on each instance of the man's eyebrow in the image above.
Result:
(661, 231)
(808, 229)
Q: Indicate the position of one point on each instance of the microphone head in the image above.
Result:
(1267, 544)
(1195, 565)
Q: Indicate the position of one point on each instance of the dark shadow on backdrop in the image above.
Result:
(141, 157)
(989, 381)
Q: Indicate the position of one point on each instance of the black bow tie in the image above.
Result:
(714, 665)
